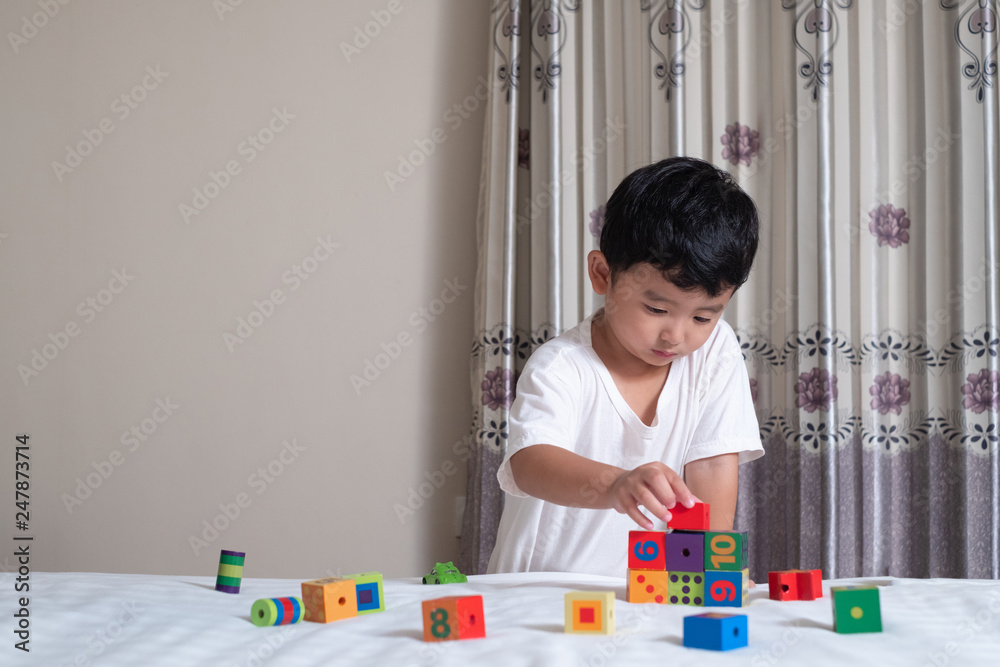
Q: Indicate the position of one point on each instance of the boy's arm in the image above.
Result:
(715, 480)
(560, 476)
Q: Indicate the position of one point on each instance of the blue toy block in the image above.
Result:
(715, 631)
(727, 589)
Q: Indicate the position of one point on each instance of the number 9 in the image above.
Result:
(722, 591)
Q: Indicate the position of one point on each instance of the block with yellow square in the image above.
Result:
(329, 599)
(590, 612)
(647, 586)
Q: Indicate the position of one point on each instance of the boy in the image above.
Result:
(647, 401)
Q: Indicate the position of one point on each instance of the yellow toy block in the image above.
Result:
(329, 599)
(647, 586)
(590, 612)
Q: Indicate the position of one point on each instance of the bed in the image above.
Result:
(127, 619)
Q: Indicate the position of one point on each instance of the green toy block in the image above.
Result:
(856, 609)
(686, 588)
(369, 587)
(726, 551)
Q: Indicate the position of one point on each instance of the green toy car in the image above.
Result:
(445, 573)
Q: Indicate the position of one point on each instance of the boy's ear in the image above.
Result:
(599, 271)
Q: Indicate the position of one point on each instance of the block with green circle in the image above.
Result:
(726, 550)
(369, 587)
(856, 609)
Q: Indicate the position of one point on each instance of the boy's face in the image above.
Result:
(651, 318)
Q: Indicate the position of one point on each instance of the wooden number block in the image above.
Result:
(682, 518)
(590, 612)
(783, 585)
(727, 589)
(454, 617)
(809, 584)
(684, 551)
(647, 586)
(686, 588)
(715, 631)
(329, 599)
(726, 550)
(856, 609)
(369, 587)
(645, 550)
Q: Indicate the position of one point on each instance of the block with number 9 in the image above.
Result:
(454, 617)
(727, 589)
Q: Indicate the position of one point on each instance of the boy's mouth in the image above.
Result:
(664, 355)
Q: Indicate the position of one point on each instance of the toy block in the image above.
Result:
(809, 584)
(726, 550)
(276, 611)
(645, 550)
(230, 574)
(715, 631)
(727, 589)
(369, 588)
(330, 599)
(454, 617)
(445, 573)
(647, 586)
(684, 551)
(783, 585)
(686, 588)
(590, 612)
(856, 609)
(695, 518)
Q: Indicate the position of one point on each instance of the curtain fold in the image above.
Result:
(866, 132)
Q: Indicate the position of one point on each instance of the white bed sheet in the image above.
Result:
(136, 620)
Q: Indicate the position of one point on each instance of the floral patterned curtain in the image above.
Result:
(867, 134)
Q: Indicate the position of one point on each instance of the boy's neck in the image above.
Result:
(619, 361)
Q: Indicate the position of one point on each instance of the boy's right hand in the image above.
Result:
(652, 485)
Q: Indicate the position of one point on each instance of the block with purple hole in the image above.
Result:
(369, 585)
(684, 551)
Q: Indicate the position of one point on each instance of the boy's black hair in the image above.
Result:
(687, 218)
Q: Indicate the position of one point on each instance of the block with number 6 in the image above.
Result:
(726, 550)
(454, 617)
(727, 589)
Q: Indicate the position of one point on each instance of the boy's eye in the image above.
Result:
(655, 311)
(702, 320)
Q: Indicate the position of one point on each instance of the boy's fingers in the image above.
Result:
(640, 518)
(648, 499)
(660, 487)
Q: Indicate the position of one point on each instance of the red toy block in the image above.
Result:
(809, 584)
(783, 585)
(682, 518)
(454, 617)
(646, 550)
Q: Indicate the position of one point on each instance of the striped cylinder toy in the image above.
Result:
(276, 611)
(230, 571)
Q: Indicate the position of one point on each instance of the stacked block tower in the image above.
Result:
(689, 564)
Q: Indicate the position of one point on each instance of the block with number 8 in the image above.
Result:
(454, 617)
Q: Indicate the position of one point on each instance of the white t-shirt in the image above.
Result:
(566, 397)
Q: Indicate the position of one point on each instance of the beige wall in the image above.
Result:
(198, 85)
